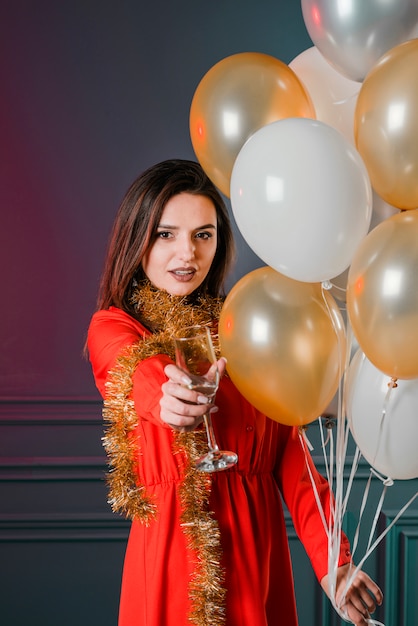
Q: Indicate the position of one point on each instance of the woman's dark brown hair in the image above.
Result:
(136, 224)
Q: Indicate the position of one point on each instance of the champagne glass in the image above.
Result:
(196, 357)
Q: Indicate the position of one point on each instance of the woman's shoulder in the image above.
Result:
(113, 316)
(110, 332)
(113, 327)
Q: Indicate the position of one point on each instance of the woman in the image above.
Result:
(203, 549)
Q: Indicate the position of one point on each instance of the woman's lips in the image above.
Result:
(183, 275)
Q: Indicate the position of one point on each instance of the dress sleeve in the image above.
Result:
(110, 332)
(295, 484)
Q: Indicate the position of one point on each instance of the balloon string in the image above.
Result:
(342, 442)
(387, 482)
(337, 288)
(379, 539)
(334, 286)
(391, 385)
(354, 467)
(370, 550)
(363, 506)
(331, 460)
(336, 504)
(315, 489)
(369, 619)
(344, 426)
(348, 98)
(324, 445)
(329, 424)
(377, 514)
(303, 433)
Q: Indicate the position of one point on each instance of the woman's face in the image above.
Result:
(184, 246)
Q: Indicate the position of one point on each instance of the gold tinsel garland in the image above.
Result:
(165, 315)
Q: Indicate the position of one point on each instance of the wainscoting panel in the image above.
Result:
(401, 568)
(62, 548)
(51, 580)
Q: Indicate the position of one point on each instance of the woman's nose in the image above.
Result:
(186, 249)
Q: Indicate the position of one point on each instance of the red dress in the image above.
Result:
(245, 500)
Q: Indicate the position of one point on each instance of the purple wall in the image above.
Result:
(93, 92)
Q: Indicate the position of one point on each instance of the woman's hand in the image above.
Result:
(361, 598)
(183, 408)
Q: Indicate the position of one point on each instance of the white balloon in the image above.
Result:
(302, 198)
(380, 212)
(384, 426)
(333, 95)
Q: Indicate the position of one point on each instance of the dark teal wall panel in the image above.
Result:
(401, 568)
(60, 541)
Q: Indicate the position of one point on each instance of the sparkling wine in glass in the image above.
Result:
(196, 357)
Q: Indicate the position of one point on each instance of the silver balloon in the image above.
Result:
(353, 34)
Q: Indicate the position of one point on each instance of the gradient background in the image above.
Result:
(92, 93)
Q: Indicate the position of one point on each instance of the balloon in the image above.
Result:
(382, 295)
(386, 125)
(381, 211)
(285, 345)
(334, 96)
(236, 97)
(301, 197)
(383, 421)
(353, 35)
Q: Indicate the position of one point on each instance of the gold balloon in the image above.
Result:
(386, 125)
(235, 98)
(382, 295)
(285, 344)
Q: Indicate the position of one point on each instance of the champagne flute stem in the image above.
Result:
(213, 446)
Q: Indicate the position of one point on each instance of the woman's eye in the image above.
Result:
(164, 234)
(204, 235)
